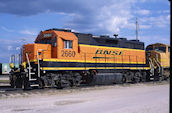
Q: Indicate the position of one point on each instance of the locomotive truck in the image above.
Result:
(62, 58)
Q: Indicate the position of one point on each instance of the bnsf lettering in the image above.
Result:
(109, 52)
(99, 51)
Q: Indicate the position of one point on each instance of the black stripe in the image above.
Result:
(79, 64)
(103, 70)
(117, 46)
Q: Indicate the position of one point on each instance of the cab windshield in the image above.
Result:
(160, 49)
(46, 41)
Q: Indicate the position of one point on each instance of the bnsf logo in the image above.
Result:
(109, 52)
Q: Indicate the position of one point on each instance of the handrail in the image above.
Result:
(158, 64)
(29, 66)
(151, 65)
(38, 64)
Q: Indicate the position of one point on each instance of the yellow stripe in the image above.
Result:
(163, 60)
(34, 60)
(87, 68)
(83, 45)
(165, 65)
(88, 61)
(82, 61)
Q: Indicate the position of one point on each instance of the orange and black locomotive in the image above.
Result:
(61, 58)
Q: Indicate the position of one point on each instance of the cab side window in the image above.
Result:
(149, 48)
(67, 44)
(54, 42)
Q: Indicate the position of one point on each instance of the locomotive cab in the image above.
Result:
(62, 44)
(51, 45)
(158, 57)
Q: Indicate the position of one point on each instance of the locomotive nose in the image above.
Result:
(37, 50)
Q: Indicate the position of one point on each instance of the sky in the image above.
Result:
(22, 20)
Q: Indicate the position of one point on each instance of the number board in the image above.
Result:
(68, 53)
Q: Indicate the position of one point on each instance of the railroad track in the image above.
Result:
(4, 81)
(7, 92)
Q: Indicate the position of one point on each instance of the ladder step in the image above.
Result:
(32, 79)
(29, 68)
(33, 85)
(32, 73)
(151, 78)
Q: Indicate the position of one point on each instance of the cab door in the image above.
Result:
(54, 48)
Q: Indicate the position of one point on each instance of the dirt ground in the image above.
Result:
(132, 98)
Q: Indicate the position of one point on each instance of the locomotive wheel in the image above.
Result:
(161, 78)
(144, 77)
(19, 82)
(156, 75)
(156, 78)
(12, 81)
(41, 83)
(123, 79)
(130, 77)
(166, 74)
(76, 79)
(26, 84)
(90, 77)
(64, 82)
(59, 86)
(137, 77)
